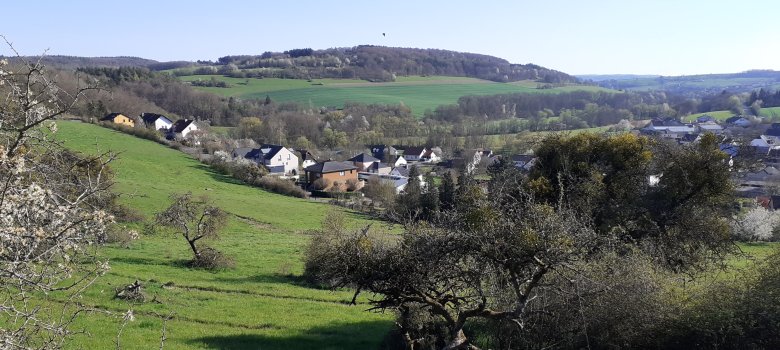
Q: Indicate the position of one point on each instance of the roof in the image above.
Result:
(363, 158)
(329, 167)
(181, 124)
(690, 137)
(111, 116)
(150, 118)
(428, 153)
(241, 152)
(403, 171)
(306, 155)
(735, 119)
(772, 132)
(414, 151)
(265, 151)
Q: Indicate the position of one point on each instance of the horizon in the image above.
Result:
(668, 39)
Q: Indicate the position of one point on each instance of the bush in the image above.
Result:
(321, 184)
(212, 259)
(120, 236)
(757, 224)
(281, 186)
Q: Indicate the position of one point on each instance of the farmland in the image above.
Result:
(262, 302)
(418, 93)
(770, 112)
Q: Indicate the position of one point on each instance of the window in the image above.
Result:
(288, 157)
(341, 173)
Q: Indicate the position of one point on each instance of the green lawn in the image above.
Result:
(260, 304)
(419, 93)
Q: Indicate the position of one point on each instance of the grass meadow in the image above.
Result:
(260, 304)
(418, 93)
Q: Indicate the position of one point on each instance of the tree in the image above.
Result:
(52, 210)
(407, 204)
(380, 191)
(195, 219)
(456, 272)
(447, 191)
(429, 200)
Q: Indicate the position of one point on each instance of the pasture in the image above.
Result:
(418, 93)
(261, 303)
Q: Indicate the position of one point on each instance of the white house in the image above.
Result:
(156, 121)
(307, 159)
(523, 161)
(400, 161)
(414, 154)
(430, 156)
(278, 159)
(182, 128)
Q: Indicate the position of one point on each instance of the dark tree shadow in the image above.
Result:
(363, 335)
(270, 278)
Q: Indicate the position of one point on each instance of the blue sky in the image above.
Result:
(578, 37)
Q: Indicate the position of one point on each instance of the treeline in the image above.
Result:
(698, 85)
(569, 110)
(379, 63)
(74, 62)
(767, 98)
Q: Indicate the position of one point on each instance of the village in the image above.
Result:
(341, 173)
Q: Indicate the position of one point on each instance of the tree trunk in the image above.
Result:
(194, 249)
(459, 341)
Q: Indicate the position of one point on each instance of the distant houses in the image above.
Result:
(331, 172)
(278, 159)
(156, 121)
(119, 118)
(181, 128)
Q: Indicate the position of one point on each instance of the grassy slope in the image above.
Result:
(419, 93)
(768, 112)
(259, 304)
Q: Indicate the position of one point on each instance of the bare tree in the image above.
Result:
(49, 220)
(195, 218)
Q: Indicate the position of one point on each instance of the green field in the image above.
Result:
(260, 304)
(769, 112)
(418, 93)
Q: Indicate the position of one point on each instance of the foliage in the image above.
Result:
(281, 186)
(48, 224)
(682, 217)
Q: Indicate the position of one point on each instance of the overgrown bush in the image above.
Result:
(121, 236)
(281, 186)
(212, 259)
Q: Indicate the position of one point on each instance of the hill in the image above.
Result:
(261, 302)
(416, 92)
(73, 62)
(698, 85)
(380, 63)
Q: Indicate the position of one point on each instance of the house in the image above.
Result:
(379, 168)
(119, 118)
(430, 157)
(668, 128)
(404, 172)
(363, 161)
(156, 121)
(398, 182)
(400, 161)
(331, 171)
(689, 138)
(523, 161)
(414, 154)
(278, 159)
(306, 158)
(705, 119)
(711, 127)
(738, 121)
(385, 153)
(182, 128)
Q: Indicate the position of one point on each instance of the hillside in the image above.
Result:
(380, 63)
(416, 92)
(260, 303)
(697, 85)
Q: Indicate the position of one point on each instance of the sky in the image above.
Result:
(667, 37)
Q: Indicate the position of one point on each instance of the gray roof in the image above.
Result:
(150, 118)
(265, 151)
(363, 158)
(329, 167)
(181, 124)
(241, 152)
(403, 171)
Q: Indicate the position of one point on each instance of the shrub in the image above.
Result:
(121, 236)
(281, 186)
(757, 224)
(321, 184)
(212, 259)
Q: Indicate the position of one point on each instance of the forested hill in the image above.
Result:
(379, 63)
(695, 85)
(73, 62)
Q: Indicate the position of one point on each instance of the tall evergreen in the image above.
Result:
(447, 191)
(429, 201)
